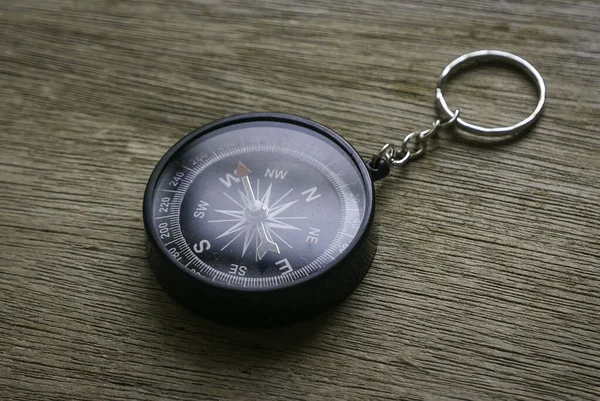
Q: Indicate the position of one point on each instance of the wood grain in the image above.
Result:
(485, 285)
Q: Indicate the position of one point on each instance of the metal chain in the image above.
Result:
(413, 145)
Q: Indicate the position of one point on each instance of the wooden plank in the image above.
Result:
(485, 285)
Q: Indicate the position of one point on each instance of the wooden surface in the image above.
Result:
(486, 282)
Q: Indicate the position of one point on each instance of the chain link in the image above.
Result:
(413, 145)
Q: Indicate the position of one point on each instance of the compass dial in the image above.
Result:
(257, 203)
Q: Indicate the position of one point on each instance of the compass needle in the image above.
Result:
(266, 243)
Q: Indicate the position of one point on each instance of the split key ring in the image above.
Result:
(490, 56)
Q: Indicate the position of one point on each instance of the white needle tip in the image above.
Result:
(265, 247)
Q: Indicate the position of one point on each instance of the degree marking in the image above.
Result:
(164, 217)
(347, 185)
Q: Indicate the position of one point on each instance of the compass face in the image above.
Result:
(258, 203)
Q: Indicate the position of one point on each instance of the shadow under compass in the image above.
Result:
(203, 342)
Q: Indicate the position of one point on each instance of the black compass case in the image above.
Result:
(284, 304)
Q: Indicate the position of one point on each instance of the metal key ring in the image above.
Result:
(487, 56)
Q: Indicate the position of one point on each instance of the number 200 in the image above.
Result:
(164, 230)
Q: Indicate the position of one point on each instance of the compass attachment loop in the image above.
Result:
(413, 145)
(378, 169)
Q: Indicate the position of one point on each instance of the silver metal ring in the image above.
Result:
(487, 56)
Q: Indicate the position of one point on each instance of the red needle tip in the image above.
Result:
(241, 170)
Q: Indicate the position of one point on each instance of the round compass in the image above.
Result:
(259, 219)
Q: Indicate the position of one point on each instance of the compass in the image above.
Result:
(260, 218)
(267, 218)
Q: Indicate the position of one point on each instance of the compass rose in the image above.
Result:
(255, 219)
